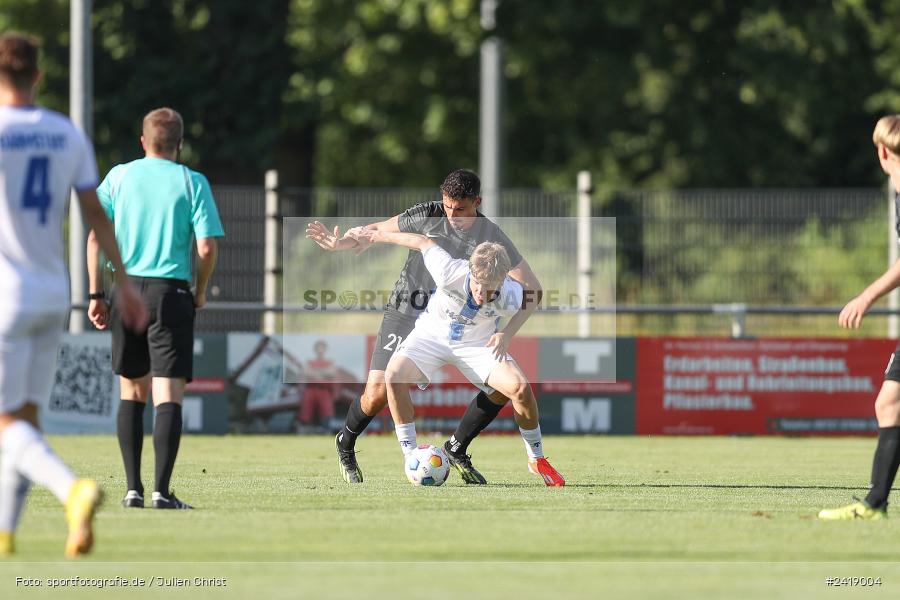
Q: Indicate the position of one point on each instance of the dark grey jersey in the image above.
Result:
(897, 215)
(414, 286)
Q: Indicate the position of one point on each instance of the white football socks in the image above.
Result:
(533, 445)
(13, 491)
(33, 459)
(406, 435)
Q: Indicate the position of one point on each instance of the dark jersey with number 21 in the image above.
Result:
(411, 292)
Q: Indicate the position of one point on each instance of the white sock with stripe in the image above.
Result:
(33, 458)
(533, 445)
(406, 435)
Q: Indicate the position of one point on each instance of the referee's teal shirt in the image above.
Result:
(157, 207)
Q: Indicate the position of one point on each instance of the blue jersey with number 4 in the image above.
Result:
(42, 157)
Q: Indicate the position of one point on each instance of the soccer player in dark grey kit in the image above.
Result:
(457, 225)
(886, 138)
(158, 207)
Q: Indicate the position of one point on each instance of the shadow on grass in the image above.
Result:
(713, 486)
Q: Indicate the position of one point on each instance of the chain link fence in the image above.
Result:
(792, 247)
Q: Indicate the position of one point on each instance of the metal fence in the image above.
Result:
(765, 248)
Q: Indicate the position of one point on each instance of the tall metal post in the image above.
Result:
(81, 83)
(491, 114)
(273, 229)
(585, 273)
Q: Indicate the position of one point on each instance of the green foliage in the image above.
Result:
(376, 93)
(220, 63)
(710, 262)
(48, 20)
(692, 94)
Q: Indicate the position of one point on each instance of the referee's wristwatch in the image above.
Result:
(97, 296)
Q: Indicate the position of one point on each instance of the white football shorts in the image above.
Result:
(475, 362)
(28, 347)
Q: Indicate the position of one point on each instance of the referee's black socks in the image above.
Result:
(884, 466)
(355, 423)
(478, 415)
(130, 430)
(166, 438)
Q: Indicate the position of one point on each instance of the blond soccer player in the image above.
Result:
(460, 327)
(887, 404)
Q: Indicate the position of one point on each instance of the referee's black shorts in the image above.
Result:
(166, 348)
(395, 326)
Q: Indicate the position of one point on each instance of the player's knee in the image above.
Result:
(395, 378)
(518, 391)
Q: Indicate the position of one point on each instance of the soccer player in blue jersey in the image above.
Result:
(42, 158)
(460, 327)
(456, 221)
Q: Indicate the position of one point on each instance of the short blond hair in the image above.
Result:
(162, 130)
(489, 263)
(887, 133)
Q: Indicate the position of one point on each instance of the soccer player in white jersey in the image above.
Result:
(459, 327)
(42, 157)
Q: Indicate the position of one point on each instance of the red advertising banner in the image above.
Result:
(705, 386)
(450, 393)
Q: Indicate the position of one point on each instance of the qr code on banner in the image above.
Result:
(84, 381)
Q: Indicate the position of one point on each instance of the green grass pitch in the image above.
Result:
(640, 517)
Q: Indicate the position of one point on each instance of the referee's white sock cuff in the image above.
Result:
(406, 435)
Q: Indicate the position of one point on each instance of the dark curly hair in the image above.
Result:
(461, 184)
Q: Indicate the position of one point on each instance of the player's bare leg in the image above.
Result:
(400, 374)
(375, 396)
(134, 394)
(884, 463)
(508, 379)
(26, 457)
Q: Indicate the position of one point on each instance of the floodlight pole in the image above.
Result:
(585, 189)
(81, 82)
(491, 125)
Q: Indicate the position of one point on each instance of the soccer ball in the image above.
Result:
(427, 465)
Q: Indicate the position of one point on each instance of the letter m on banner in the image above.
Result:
(590, 415)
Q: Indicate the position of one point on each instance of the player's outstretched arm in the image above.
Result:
(413, 241)
(133, 311)
(327, 239)
(852, 314)
(332, 240)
